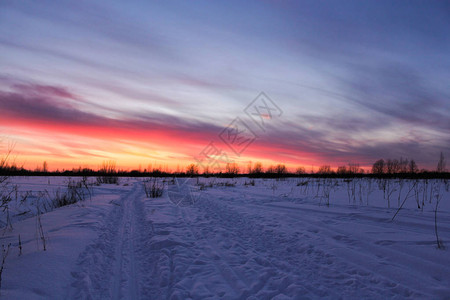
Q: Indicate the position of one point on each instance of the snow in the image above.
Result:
(230, 239)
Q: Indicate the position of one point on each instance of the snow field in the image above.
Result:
(271, 240)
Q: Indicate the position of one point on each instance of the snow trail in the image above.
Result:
(108, 267)
(232, 246)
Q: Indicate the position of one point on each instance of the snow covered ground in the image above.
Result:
(231, 239)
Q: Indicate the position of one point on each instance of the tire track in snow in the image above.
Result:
(107, 268)
(125, 281)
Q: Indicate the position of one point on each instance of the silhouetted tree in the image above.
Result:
(206, 171)
(249, 168)
(232, 169)
(403, 165)
(353, 168)
(300, 171)
(342, 170)
(441, 164)
(281, 169)
(392, 166)
(379, 167)
(192, 169)
(412, 167)
(270, 169)
(396, 166)
(257, 168)
(324, 169)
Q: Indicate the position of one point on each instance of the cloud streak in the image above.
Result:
(53, 110)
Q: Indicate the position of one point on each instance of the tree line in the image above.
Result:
(380, 168)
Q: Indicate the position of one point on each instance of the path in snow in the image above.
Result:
(236, 245)
(109, 268)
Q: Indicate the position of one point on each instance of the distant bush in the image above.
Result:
(191, 170)
(108, 173)
(251, 182)
(153, 188)
(231, 169)
(76, 191)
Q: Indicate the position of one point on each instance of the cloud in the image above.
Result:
(51, 108)
(331, 139)
(400, 94)
(98, 22)
(43, 90)
(38, 106)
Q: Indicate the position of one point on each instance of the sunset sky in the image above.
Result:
(82, 82)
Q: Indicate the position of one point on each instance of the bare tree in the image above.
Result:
(389, 166)
(232, 168)
(342, 170)
(206, 171)
(270, 169)
(353, 168)
(192, 169)
(300, 170)
(412, 167)
(441, 164)
(379, 167)
(325, 169)
(403, 165)
(249, 168)
(281, 169)
(395, 166)
(257, 168)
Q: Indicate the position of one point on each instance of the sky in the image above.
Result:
(164, 82)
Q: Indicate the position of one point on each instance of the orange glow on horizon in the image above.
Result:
(68, 146)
